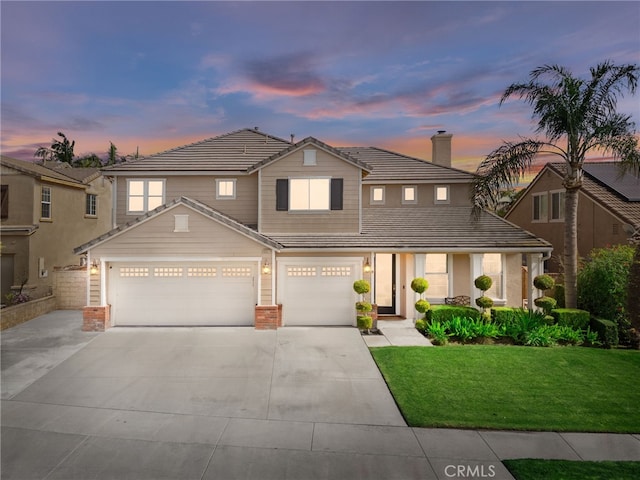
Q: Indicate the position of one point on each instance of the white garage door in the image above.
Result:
(317, 293)
(187, 293)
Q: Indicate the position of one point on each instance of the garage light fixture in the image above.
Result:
(367, 266)
(94, 268)
(266, 268)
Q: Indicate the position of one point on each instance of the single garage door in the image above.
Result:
(186, 293)
(317, 293)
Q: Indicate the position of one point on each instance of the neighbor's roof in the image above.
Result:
(232, 152)
(39, 172)
(606, 184)
(430, 229)
(389, 166)
(195, 205)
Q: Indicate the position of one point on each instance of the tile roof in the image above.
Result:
(390, 166)
(599, 184)
(194, 204)
(429, 228)
(35, 170)
(235, 151)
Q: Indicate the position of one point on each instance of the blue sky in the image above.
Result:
(156, 75)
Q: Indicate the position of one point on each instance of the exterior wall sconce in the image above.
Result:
(367, 266)
(94, 268)
(266, 268)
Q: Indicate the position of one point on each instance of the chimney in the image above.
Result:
(441, 148)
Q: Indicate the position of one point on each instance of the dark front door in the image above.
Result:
(385, 283)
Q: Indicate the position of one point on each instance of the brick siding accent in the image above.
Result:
(96, 319)
(268, 317)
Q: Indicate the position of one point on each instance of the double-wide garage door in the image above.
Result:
(317, 292)
(185, 293)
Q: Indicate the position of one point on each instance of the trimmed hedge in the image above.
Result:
(442, 313)
(607, 331)
(503, 315)
(571, 317)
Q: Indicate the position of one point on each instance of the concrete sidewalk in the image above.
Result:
(218, 403)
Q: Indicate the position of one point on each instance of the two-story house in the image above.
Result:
(223, 231)
(45, 213)
(608, 208)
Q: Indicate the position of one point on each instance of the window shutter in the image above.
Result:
(282, 194)
(336, 193)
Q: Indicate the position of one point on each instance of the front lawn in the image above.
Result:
(533, 469)
(515, 388)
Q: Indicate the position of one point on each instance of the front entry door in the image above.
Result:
(385, 283)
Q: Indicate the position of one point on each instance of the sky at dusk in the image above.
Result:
(155, 75)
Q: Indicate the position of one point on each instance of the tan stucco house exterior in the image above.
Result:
(45, 214)
(250, 229)
(608, 208)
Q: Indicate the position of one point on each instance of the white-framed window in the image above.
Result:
(557, 206)
(309, 158)
(91, 205)
(45, 203)
(540, 209)
(493, 266)
(441, 194)
(144, 194)
(436, 272)
(377, 195)
(409, 194)
(225, 188)
(309, 194)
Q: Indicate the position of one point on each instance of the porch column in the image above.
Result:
(475, 271)
(536, 267)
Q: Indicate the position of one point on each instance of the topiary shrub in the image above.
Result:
(361, 287)
(421, 326)
(483, 282)
(364, 322)
(484, 302)
(422, 306)
(364, 307)
(419, 285)
(571, 317)
(544, 282)
(546, 304)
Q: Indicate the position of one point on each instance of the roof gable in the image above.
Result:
(39, 172)
(192, 204)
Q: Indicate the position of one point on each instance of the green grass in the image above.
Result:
(530, 469)
(515, 388)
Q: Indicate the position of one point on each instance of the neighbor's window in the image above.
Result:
(45, 203)
(492, 267)
(437, 274)
(225, 189)
(557, 205)
(409, 194)
(540, 207)
(442, 194)
(4, 201)
(309, 194)
(91, 205)
(377, 195)
(144, 195)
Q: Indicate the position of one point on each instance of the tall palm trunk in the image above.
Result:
(572, 184)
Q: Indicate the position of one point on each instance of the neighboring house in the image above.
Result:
(45, 213)
(222, 231)
(608, 208)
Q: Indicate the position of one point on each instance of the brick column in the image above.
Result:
(268, 317)
(96, 319)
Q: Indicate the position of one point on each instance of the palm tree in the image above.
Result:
(575, 116)
(60, 150)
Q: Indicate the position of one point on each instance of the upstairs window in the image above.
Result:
(225, 189)
(377, 195)
(409, 194)
(557, 206)
(441, 194)
(45, 203)
(309, 194)
(540, 209)
(91, 205)
(4, 201)
(144, 195)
